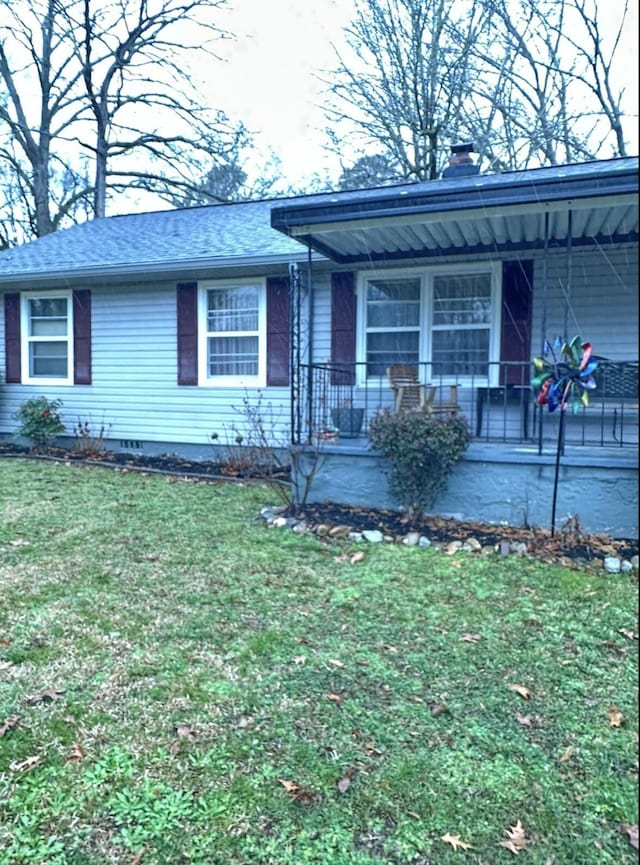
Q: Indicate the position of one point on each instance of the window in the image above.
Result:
(461, 324)
(233, 323)
(47, 343)
(392, 323)
(446, 317)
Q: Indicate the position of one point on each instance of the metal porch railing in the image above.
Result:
(499, 406)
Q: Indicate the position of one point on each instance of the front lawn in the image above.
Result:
(180, 684)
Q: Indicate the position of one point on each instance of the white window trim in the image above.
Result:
(26, 340)
(205, 380)
(426, 275)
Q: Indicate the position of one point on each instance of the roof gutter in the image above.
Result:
(465, 194)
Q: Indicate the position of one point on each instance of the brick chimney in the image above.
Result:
(460, 163)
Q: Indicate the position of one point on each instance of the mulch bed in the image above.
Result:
(569, 545)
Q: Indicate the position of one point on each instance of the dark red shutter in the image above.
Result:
(82, 336)
(13, 372)
(278, 303)
(343, 327)
(515, 337)
(187, 314)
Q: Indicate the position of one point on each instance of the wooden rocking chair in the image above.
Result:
(410, 395)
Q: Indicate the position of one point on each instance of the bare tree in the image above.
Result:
(401, 90)
(29, 129)
(530, 82)
(99, 101)
(368, 171)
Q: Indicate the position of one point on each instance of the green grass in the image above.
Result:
(204, 658)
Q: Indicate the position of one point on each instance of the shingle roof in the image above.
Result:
(162, 241)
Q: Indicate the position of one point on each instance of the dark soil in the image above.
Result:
(569, 545)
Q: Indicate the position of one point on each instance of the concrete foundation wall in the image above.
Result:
(501, 488)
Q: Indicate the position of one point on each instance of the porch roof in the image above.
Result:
(590, 202)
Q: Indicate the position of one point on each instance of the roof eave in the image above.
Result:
(146, 271)
(467, 194)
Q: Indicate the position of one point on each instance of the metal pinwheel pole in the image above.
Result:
(558, 384)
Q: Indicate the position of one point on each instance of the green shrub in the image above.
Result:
(421, 449)
(40, 421)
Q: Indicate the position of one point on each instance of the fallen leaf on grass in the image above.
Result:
(25, 765)
(184, 731)
(137, 859)
(48, 696)
(455, 842)
(20, 542)
(345, 782)
(298, 793)
(300, 659)
(357, 557)
(334, 698)
(75, 754)
(335, 662)
(615, 716)
(526, 720)
(520, 689)
(9, 723)
(628, 634)
(568, 754)
(470, 638)
(631, 831)
(437, 709)
(516, 839)
(370, 750)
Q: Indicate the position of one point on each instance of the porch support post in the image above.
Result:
(310, 346)
(567, 290)
(543, 334)
(294, 353)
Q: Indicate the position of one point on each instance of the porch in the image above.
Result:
(499, 407)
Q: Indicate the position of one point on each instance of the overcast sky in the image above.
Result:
(270, 78)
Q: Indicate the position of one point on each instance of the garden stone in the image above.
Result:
(322, 530)
(339, 532)
(519, 548)
(634, 562)
(474, 545)
(612, 564)
(373, 536)
(355, 536)
(626, 567)
(453, 547)
(412, 539)
(280, 522)
(300, 527)
(424, 542)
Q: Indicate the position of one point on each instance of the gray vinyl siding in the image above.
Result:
(603, 303)
(603, 307)
(134, 389)
(322, 318)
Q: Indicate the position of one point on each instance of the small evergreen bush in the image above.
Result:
(40, 421)
(422, 450)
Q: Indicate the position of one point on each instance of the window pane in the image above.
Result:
(233, 355)
(393, 303)
(48, 316)
(462, 299)
(460, 352)
(48, 359)
(385, 349)
(233, 309)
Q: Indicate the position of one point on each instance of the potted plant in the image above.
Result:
(347, 419)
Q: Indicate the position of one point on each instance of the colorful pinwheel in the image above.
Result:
(567, 380)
